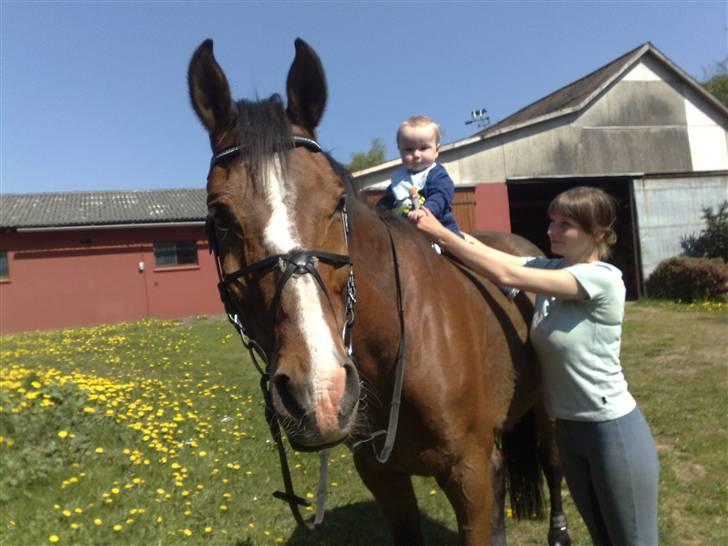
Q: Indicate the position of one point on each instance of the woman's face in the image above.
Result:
(569, 240)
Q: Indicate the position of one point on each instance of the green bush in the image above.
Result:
(689, 279)
(712, 242)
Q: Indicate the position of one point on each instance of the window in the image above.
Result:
(170, 254)
(4, 272)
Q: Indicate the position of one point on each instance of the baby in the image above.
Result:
(420, 181)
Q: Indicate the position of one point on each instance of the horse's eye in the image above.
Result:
(221, 218)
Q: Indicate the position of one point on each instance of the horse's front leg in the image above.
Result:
(468, 486)
(395, 495)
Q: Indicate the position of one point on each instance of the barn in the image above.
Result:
(638, 127)
(74, 259)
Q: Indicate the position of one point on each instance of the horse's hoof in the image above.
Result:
(559, 537)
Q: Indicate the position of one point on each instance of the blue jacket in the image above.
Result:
(438, 191)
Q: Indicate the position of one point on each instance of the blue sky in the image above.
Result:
(94, 94)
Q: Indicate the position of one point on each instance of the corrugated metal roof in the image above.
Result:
(102, 208)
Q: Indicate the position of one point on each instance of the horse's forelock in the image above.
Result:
(264, 132)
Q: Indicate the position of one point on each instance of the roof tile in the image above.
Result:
(102, 208)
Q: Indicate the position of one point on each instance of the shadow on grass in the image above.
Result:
(363, 524)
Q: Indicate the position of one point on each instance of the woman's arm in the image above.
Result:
(515, 260)
(501, 267)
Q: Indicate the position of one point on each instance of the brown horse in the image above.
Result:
(328, 290)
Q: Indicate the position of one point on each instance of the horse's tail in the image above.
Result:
(523, 468)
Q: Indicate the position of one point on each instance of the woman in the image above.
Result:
(607, 451)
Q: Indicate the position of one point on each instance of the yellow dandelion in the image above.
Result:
(223, 508)
(208, 530)
(53, 538)
(99, 450)
(117, 527)
(98, 521)
(62, 433)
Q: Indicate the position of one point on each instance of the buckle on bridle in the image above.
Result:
(299, 261)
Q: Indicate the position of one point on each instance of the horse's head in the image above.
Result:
(276, 205)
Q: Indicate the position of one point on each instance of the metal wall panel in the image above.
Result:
(671, 208)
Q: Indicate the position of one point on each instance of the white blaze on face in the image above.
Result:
(279, 237)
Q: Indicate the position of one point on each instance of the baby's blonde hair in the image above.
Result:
(420, 121)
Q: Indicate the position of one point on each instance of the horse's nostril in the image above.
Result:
(287, 395)
(351, 392)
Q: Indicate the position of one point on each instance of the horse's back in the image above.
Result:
(508, 242)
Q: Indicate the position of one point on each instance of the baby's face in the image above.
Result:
(418, 147)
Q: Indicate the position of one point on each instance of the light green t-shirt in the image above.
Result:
(578, 342)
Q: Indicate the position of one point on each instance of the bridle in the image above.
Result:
(293, 264)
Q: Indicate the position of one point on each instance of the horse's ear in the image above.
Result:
(209, 90)
(306, 88)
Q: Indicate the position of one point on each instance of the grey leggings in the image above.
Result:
(612, 471)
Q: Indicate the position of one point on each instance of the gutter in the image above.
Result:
(95, 227)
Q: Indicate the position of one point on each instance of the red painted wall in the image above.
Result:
(60, 279)
(491, 208)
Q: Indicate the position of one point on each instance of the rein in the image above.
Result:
(293, 264)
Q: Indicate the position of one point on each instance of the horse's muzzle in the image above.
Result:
(313, 422)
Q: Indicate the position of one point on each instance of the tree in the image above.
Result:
(712, 242)
(374, 156)
(716, 83)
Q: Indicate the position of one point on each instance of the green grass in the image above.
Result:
(153, 433)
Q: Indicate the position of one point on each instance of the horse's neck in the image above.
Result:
(377, 243)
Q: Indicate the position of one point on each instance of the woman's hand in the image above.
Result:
(427, 223)
(415, 215)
